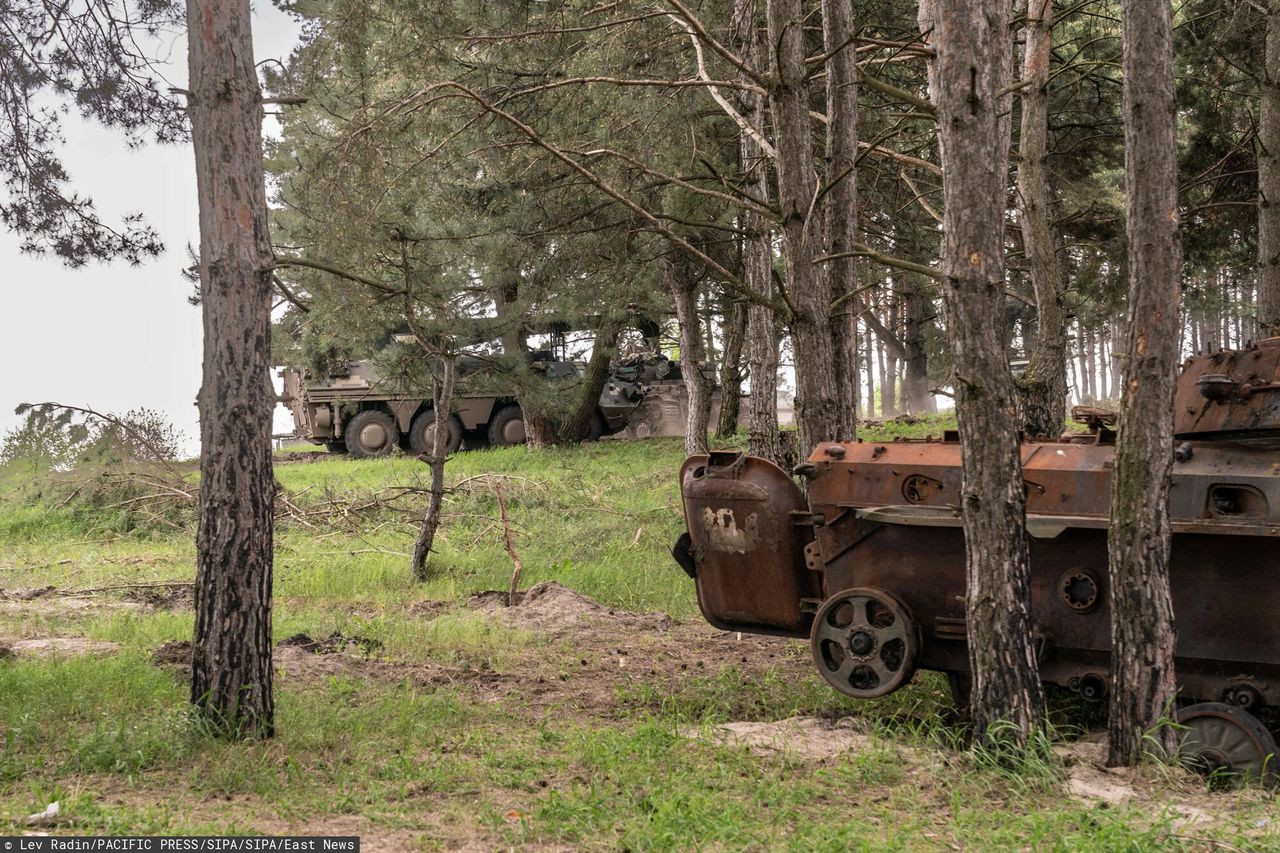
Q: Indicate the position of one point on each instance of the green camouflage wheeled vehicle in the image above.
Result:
(355, 411)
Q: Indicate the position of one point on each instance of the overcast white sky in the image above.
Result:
(115, 337)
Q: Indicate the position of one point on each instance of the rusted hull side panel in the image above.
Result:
(747, 524)
(1224, 488)
(1224, 637)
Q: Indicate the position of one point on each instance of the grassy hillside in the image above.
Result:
(423, 716)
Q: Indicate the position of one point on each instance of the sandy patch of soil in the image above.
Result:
(50, 600)
(552, 607)
(50, 647)
(806, 738)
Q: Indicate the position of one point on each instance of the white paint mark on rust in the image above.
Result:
(725, 536)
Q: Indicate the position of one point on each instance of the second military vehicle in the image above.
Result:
(355, 411)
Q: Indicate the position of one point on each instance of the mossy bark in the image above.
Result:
(971, 43)
(1142, 628)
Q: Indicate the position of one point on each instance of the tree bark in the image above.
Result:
(682, 284)
(1268, 148)
(757, 252)
(915, 386)
(841, 208)
(443, 407)
(231, 685)
(1142, 629)
(539, 428)
(735, 334)
(1269, 179)
(577, 423)
(893, 322)
(1042, 390)
(971, 43)
(817, 404)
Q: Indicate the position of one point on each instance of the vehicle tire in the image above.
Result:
(422, 434)
(339, 447)
(371, 434)
(507, 427)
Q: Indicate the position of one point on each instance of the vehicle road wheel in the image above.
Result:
(422, 434)
(507, 427)
(336, 446)
(371, 434)
(1227, 744)
(865, 642)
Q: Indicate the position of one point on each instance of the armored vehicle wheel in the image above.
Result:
(1228, 744)
(370, 434)
(507, 427)
(865, 642)
(336, 446)
(422, 434)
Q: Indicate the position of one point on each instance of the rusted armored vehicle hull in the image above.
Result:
(871, 569)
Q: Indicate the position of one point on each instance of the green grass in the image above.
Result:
(451, 739)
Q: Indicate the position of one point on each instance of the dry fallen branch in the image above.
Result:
(78, 593)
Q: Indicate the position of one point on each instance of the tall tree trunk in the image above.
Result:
(682, 284)
(893, 322)
(1091, 363)
(443, 406)
(971, 43)
(870, 364)
(577, 423)
(539, 428)
(735, 334)
(882, 369)
(757, 252)
(817, 406)
(915, 386)
(1042, 390)
(1268, 150)
(762, 362)
(231, 654)
(1105, 350)
(1082, 364)
(841, 207)
(1142, 629)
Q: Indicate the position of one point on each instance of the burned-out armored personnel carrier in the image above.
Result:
(664, 411)
(871, 568)
(355, 411)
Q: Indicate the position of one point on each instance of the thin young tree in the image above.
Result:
(680, 278)
(757, 246)
(1138, 540)
(1043, 388)
(231, 683)
(971, 41)
(817, 406)
(838, 34)
(1268, 149)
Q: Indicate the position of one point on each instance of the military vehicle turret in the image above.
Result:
(870, 569)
